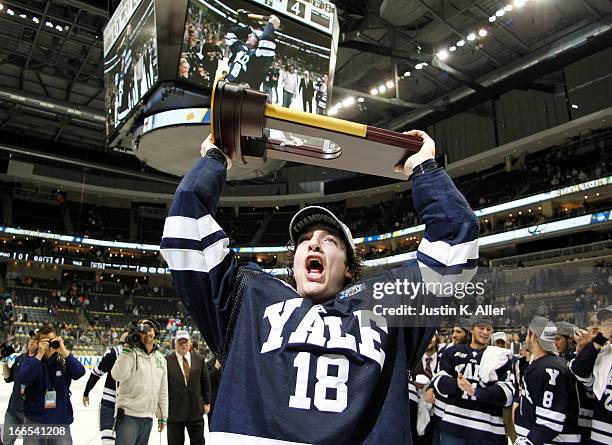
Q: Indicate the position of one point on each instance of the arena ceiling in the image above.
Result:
(434, 57)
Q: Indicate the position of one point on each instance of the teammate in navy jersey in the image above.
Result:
(593, 368)
(109, 393)
(460, 336)
(469, 405)
(252, 52)
(311, 364)
(547, 412)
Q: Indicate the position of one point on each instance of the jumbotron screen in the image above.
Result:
(130, 60)
(236, 40)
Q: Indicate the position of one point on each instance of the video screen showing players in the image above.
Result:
(130, 67)
(239, 42)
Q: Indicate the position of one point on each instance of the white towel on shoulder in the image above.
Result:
(492, 359)
(602, 370)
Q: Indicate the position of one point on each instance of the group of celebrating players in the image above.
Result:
(553, 385)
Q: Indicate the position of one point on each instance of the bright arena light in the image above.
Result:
(500, 13)
(471, 36)
(10, 12)
(492, 18)
(452, 49)
(407, 73)
(382, 89)
(460, 43)
(519, 3)
(482, 32)
(418, 66)
(360, 100)
(374, 91)
(348, 101)
(508, 8)
(442, 55)
(390, 84)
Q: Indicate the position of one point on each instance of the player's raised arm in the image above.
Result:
(448, 251)
(196, 247)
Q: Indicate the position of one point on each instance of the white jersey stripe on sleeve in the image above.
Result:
(195, 260)
(190, 228)
(449, 255)
(548, 424)
(549, 414)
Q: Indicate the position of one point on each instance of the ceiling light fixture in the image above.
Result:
(471, 37)
(460, 43)
(482, 32)
(442, 55)
(452, 49)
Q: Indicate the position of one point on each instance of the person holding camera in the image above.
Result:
(14, 416)
(47, 377)
(142, 386)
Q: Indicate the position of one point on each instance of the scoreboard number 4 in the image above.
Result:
(325, 381)
(297, 8)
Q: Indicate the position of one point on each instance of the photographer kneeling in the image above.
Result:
(142, 390)
(47, 377)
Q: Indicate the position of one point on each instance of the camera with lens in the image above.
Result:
(6, 350)
(139, 328)
(54, 344)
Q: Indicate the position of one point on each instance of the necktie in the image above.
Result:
(186, 369)
(428, 372)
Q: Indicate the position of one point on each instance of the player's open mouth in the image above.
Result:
(314, 268)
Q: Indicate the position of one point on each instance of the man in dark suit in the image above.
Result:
(307, 89)
(188, 392)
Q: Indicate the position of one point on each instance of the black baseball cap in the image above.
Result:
(313, 215)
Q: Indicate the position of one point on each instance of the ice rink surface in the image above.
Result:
(85, 430)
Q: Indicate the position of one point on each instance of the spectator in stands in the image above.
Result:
(578, 312)
(188, 392)
(47, 377)
(15, 416)
(140, 366)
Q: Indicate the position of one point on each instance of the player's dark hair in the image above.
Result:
(354, 261)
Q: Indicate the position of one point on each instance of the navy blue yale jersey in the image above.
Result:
(548, 404)
(250, 65)
(295, 371)
(109, 394)
(479, 417)
(582, 367)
